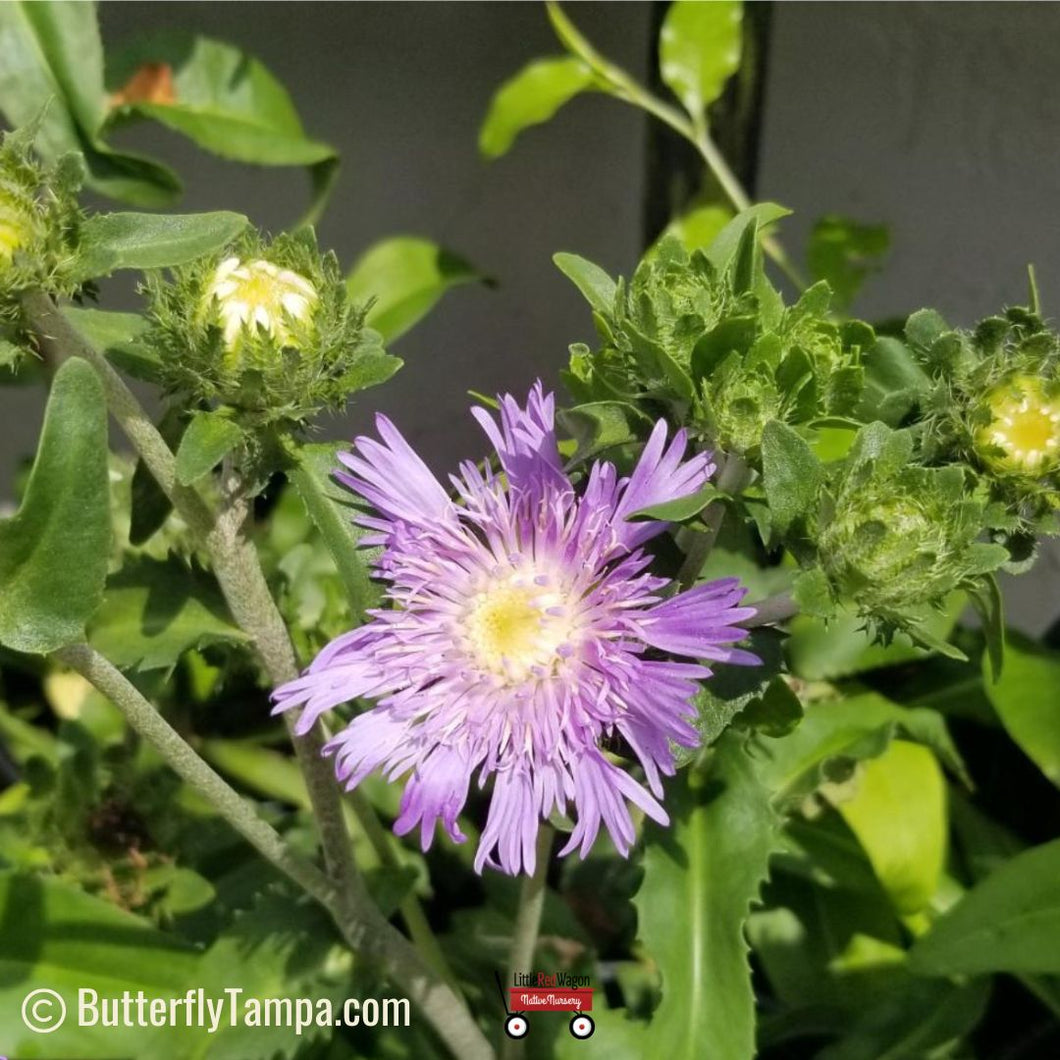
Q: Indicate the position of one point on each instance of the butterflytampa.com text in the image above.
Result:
(232, 1008)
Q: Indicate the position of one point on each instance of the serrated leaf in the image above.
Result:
(894, 382)
(406, 276)
(531, 98)
(699, 50)
(1010, 922)
(333, 510)
(112, 241)
(51, 70)
(156, 610)
(791, 474)
(54, 550)
(700, 877)
(118, 336)
(898, 813)
(597, 287)
(223, 99)
(207, 440)
(775, 713)
(1026, 696)
(56, 937)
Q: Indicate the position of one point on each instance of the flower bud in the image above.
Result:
(264, 328)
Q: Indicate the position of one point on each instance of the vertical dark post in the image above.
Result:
(675, 175)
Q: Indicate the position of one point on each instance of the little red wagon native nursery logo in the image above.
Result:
(538, 992)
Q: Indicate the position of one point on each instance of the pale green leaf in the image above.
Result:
(530, 98)
(791, 474)
(54, 550)
(699, 50)
(155, 610)
(697, 229)
(152, 241)
(405, 276)
(898, 814)
(1026, 697)
(1010, 922)
(333, 510)
(208, 439)
(597, 287)
(120, 338)
(600, 425)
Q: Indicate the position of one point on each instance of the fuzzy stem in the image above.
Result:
(236, 810)
(732, 478)
(242, 581)
(528, 922)
(773, 610)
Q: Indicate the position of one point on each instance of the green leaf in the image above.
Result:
(59, 938)
(836, 733)
(208, 439)
(333, 510)
(54, 550)
(842, 646)
(119, 337)
(530, 98)
(227, 102)
(681, 509)
(263, 771)
(722, 251)
(156, 610)
(899, 816)
(791, 474)
(51, 70)
(844, 253)
(405, 276)
(600, 425)
(699, 50)
(775, 713)
(1026, 697)
(894, 382)
(696, 229)
(988, 602)
(597, 287)
(700, 877)
(1010, 922)
(152, 241)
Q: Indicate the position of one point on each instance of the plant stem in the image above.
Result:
(528, 922)
(411, 910)
(236, 810)
(773, 610)
(732, 478)
(242, 581)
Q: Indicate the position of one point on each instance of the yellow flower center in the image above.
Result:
(257, 295)
(1025, 425)
(13, 229)
(515, 627)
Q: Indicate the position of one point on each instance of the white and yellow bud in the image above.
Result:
(1023, 434)
(251, 296)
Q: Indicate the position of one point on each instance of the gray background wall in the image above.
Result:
(938, 119)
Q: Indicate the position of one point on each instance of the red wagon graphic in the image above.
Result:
(521, 1001)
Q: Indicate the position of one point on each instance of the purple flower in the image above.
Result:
(524, 629)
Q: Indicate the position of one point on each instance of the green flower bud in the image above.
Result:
(39, 222)
(996, 406)
(264, 328)
(895, 539)
(715, 343)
